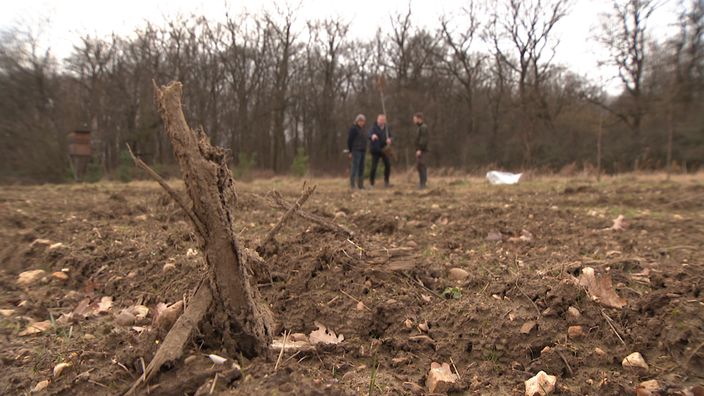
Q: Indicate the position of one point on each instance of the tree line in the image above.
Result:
(268, 87)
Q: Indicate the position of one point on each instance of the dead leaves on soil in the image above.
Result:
(601, 289)
(324, 335)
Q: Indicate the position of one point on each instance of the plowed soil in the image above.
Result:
(387, 290)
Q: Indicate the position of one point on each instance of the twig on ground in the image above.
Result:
(361, 249)
(564, 359)
(279, 201)
(613, 328)
(307, 192)
(526, 296)
(686, 199)
(215, 382)
(694, 352)
(343, 292)
(455, 367)
(283, 346)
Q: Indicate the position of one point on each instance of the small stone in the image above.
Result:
(545, 350)
(573, 313)
(59, 368)
(60, 276)
(457, 274)
(528, 327)
(29, 277)
(542, 384)
(408, 323)
(599, 351)
(168, 267)
(424, 327)
(360, 306)
(89, 337)
(189, 359)
(411, 244)
(395, 362)
(440, 378)
(635, 360)
(132, 274)
(575, 332)
(652, 385)
(41, 386)
(125, 318)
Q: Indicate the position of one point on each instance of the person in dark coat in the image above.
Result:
(380, 137)
(357, 146)
(421, 140)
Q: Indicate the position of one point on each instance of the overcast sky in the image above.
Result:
(70, 18)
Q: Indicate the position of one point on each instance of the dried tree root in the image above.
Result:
(172, 347)
(307, 192)
(237, 311)
(321, 221)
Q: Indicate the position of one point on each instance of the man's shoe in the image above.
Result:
(387, 184)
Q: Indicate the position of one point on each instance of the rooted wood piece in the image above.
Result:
(172, 347)
(245, 322)
(279, 201)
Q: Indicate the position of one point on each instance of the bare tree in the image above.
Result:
(623, 33)
(521, 33)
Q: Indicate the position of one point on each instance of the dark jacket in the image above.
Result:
(356, 140)
(422, 137)
(382, 133)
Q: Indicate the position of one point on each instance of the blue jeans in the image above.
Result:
(357, 167)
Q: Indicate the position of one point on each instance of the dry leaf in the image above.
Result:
(34, 328)
(167, 316)
(324, 335)
(601, 290)
(82, 309)
(104, 306)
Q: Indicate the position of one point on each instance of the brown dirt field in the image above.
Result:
(116, 239)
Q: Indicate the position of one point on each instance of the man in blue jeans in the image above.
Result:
(380, 136)
(357, 145)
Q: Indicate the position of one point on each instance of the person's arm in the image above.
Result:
(372, 133)
(350, 138)
(423, 138)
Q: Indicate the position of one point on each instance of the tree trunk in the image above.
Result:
(245, 322)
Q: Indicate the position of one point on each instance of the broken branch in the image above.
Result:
(279, 201)
(307, 192)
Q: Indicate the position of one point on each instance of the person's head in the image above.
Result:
(418, 118)
(360, 120)
(381, 120)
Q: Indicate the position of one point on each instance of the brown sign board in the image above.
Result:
(79, 143)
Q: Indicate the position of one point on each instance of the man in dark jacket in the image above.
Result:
(357, 145)
(421, 148)
(380, 137)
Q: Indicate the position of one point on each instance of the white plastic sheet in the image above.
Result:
(496, 177)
